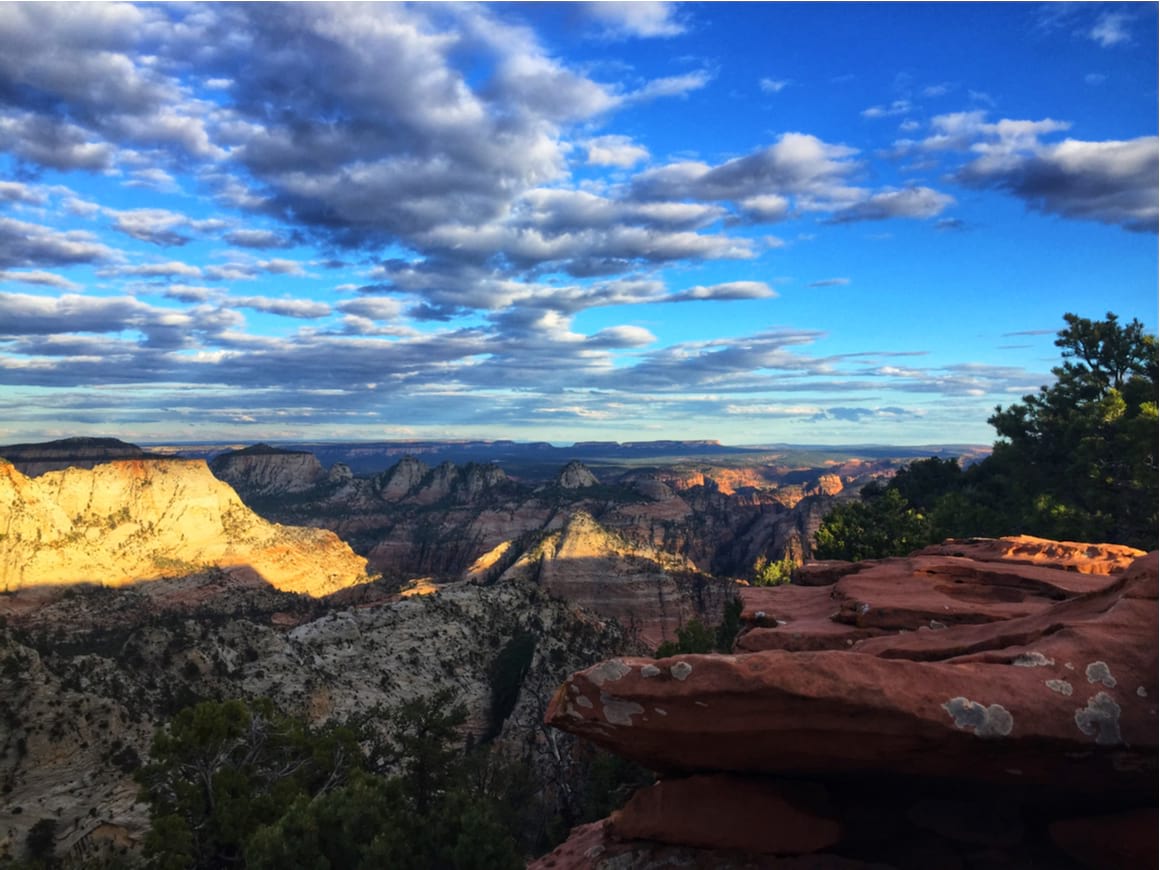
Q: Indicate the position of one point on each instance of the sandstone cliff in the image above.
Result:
(649, 592)
(128, 521)
(263, 471)
(981, 703)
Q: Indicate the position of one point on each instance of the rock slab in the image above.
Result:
(1037, 686)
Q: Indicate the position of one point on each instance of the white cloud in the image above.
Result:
(773, 86)
(643, 18)
(898, 107)
(614, 150)
(1110, 29)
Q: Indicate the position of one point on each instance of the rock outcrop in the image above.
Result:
(576, 475)
(960, 707)
(135, 520)
(649, 592)
(263, 471)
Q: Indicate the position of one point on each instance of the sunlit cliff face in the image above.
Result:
(138, 520)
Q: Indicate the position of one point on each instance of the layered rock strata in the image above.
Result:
(984, 701)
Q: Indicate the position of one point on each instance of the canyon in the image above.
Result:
(961, 703)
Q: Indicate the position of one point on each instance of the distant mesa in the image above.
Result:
(36, 459)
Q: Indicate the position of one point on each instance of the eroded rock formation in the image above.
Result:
(135, 520)
(649, 592)
(264, 471)
(961, 707)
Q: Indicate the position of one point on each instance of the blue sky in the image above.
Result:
(809, 223)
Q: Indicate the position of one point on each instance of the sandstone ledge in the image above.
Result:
(995, 726)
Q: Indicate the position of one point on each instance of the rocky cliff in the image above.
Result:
(649, 592)
(982, 703)
(133, 520)
(263, 471)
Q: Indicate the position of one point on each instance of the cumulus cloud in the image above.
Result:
(304, 309)
(44, 279)
(614, 151)
(258, 239)
(33, 245)
(830, 282)
(1112, 182)
(773, 86)
(728, 290)
(168, 269)
(911, 202)
(372, 309)
(15, 191)
(646, 18)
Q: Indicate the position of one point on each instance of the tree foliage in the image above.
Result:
(1074, 461)
(882, 524)
(778, 573)
(236, 784)
(694, 637)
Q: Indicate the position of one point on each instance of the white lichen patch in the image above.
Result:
(1061, 686)
(618, 712)
(1100, 719)
(989, 721)
(1069, 666)
(650, 671)
(609, 672)
(583, 702)
(661, 712)
(1141, 691)
(1097, 672)
(681, 670)
(1032, 660)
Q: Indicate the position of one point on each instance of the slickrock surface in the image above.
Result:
(1010, 688)
(134, 520)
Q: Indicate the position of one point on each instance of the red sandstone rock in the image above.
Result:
(594, 847)
(729, 812)
(1121, 841)
(794, 618)
(826, 572)
(1070, 702)
(866, 599)
(1065, 555)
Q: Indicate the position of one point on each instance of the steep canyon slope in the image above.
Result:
(132, 520)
